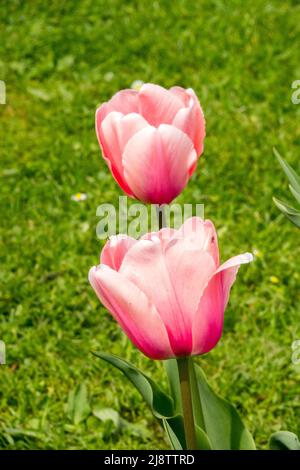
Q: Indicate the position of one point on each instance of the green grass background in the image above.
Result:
(59, 60)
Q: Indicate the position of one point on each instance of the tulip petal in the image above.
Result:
(158, 105)
(229, 271)
(115, 131)
(124, 101)
(145, 266)
(208, 322)
(182, 94)
(156, 163)
(189, 270)
(133, 311)
(191, 121)
(102, 111)
(164, 235)
(202, 233)
(115, 249)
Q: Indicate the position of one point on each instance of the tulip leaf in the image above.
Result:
(293, 178)
(295, 193)
(290, 212)
(160, 403)
(284, 440)
(173, 377)
(175, 430)
(221, 422)
(203, 442)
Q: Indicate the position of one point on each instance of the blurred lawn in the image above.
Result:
(60, 59)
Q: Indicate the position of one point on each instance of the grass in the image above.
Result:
(59, 60)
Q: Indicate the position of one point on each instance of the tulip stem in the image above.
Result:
(183, 370)
(186, 399)
(161, 216)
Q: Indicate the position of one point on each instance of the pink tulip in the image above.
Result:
(151, 140)
(167, 290)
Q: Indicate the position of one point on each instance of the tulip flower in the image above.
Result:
(151, 140)
(167, 290)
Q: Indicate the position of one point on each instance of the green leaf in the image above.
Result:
(160, 403)
(108, 414)
(78, 404)
(203, 442)
(284, 440)
(173, 377)
(197, 405)
(174, 428)
(222, 423)
(295, 193)
(290, 212)
(294, 179)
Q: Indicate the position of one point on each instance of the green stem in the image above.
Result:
(161, 216)
(186, 398)
(197, 405)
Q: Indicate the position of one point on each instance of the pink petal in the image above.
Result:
(101, 113)
(229, 271)
(203, 234)
(182, 94)
(124, 101)
(145, 266)
(164, 235)
(133, 311)
(115, 249)
(190, 268)
(156, 163)
(118, 176)
(191, 121)
(158, 105)
(116, 129)
(208, 322)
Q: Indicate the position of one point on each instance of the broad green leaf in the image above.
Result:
(222, 423)
(290, 212)
(78, 404)
(285, 208)
(173, 377)
(284, 440)
(175, 430)
(160, 403)
(197, 406)
(203, 442)
(294, 179)
(295, 193)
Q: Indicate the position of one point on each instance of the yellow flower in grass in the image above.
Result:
(79, 197)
